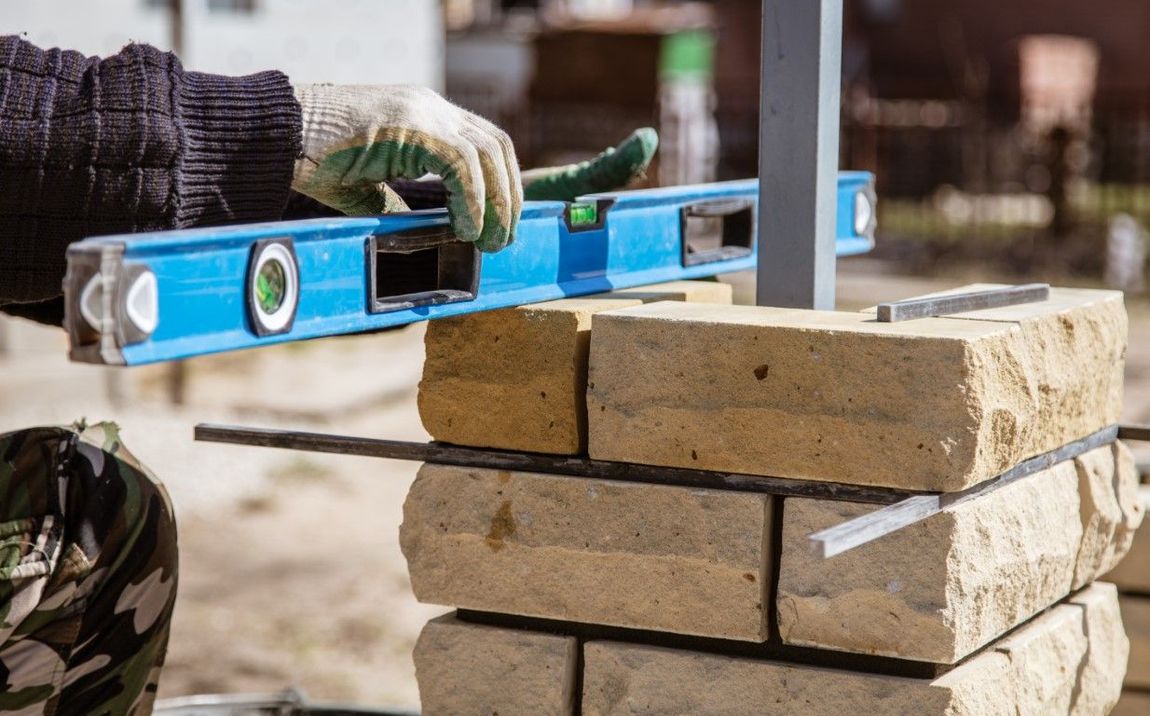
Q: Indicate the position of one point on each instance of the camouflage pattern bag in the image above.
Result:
(88, 567)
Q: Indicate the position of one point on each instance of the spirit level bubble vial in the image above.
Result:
(273, 286)
(143, 298)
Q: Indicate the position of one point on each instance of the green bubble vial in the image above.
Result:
(583, 214)
(271, 286)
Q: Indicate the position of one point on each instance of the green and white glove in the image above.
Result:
(613, 169)
(357, 137)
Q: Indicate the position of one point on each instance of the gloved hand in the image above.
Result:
(356, 137)
(613, 169)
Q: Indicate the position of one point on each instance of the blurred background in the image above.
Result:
(1011, 141)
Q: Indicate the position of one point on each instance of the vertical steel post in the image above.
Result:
(177, 373)
(799, 152)
(176, 26)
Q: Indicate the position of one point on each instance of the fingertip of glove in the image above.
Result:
(489, 247)
(496, 241)
(646, 140)
(494, 244)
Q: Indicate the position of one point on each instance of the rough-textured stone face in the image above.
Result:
(933, 404)
(1099, 682)
(1136, 617)
(942, 588)
(1111, 510)
(1077, 341)
(470, 669)
(644, 556)
(1133, 572)
(937, 590)
(1063, 662)
(1092, 644)
(516, 379)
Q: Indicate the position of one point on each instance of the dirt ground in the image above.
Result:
(291, 573)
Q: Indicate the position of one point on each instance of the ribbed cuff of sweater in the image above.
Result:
(241, 137)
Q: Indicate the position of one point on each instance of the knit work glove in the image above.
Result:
(613, 169)
(357, 137)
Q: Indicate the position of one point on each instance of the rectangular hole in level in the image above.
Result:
(717, 231)
(447, 273)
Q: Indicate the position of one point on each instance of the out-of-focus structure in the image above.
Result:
(568, 78)
(999, 130)
(310, 40)
(1007, 131)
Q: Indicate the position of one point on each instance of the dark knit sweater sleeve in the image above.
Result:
(128, 143)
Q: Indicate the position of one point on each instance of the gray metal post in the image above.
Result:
(799, 152)
(176, 26)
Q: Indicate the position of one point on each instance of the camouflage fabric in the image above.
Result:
(87, 574)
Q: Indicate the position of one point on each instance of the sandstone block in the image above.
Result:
(1111, 510)
(624, 554)
(1097, 687)
(516, 379)
(1062, 662)
(472, 669)
(1136, 617)
(1133, 572)
(933, 404)
(1075, 330)
(941, 589)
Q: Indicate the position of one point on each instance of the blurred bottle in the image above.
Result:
(1126, 254)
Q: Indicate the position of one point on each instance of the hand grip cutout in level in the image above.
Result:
(717, 230)
(421, 267)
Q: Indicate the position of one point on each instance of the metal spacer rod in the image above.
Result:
(930, 306)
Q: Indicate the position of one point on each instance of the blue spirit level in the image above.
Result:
(143, 298)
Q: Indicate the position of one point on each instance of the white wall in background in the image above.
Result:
(346, 41)
(489, 72)
(94, 27)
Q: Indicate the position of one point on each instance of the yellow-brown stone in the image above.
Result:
(473, 669)
(941, 589)
(933, 404)
(1069, 660)
(516, 379)
(645, 556)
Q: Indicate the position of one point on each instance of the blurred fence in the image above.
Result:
(973, 184)
(958, 183)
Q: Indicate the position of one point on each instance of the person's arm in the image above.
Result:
(128, 143)
(135, 143)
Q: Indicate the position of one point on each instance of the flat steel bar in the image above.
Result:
(444, 454)
(1034, 465)
(867, 528)
(799, 152)
(1136, 433)
(913, 308)
(902, 507)
(861, 530)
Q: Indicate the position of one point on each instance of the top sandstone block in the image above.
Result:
(516, 379)
(936, 404)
